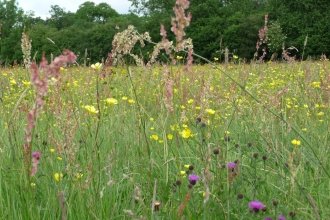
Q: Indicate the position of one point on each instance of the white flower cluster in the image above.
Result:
(124, 42)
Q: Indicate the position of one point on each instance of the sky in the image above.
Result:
(42, 8)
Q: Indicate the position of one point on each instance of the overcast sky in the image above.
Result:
(42, 8)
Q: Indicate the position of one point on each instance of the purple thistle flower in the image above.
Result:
(281, 217)
(36, 155)
(193, 178)
(231, 165)
(256, 206)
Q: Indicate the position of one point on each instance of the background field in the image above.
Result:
(116, 162)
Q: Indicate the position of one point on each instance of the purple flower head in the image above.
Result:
(193, 178)
(36, 155)
(231, 165)
(256, 206)
(281, 217)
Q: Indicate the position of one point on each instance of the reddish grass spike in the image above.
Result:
(35, 162)
(181, 20)
(183, 204)
(40, 84)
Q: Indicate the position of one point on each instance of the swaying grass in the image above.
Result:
(117, 173)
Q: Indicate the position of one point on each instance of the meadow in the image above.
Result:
(166, 140)
(111, 149)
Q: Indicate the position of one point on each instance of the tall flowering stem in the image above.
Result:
(39, 79)
(26, 49)
(180, 21)
(263, 38)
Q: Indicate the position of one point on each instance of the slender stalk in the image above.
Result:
(140, 112)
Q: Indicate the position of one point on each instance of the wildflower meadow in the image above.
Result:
(164, 140)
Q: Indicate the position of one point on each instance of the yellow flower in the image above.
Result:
(131, 101)
(154, 136)
(26, 83)
(197, 108)
(210, 111)
(186, 166)
(63, 69)
(296, 142)
(170, 136)
(52, 150)
(304, 129)
(227, 132)
(152, 119)
(79, 175)
(91, 109)
(52, 80)
(182, 173)
(235, 57)
(320, 114)
(97, 66)
(12, 81)
(124, 98)
(112, 101)
(316, 84)
(58, 176)
(59, 158)
(190, 101)
(186, 133)
(216, 58)
(179, 57)
(33, 185)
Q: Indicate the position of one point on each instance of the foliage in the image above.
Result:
(301, 18)
(276, 37)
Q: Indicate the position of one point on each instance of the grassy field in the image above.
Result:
(136, 143)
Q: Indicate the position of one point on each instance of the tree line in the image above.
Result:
(215, 26)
